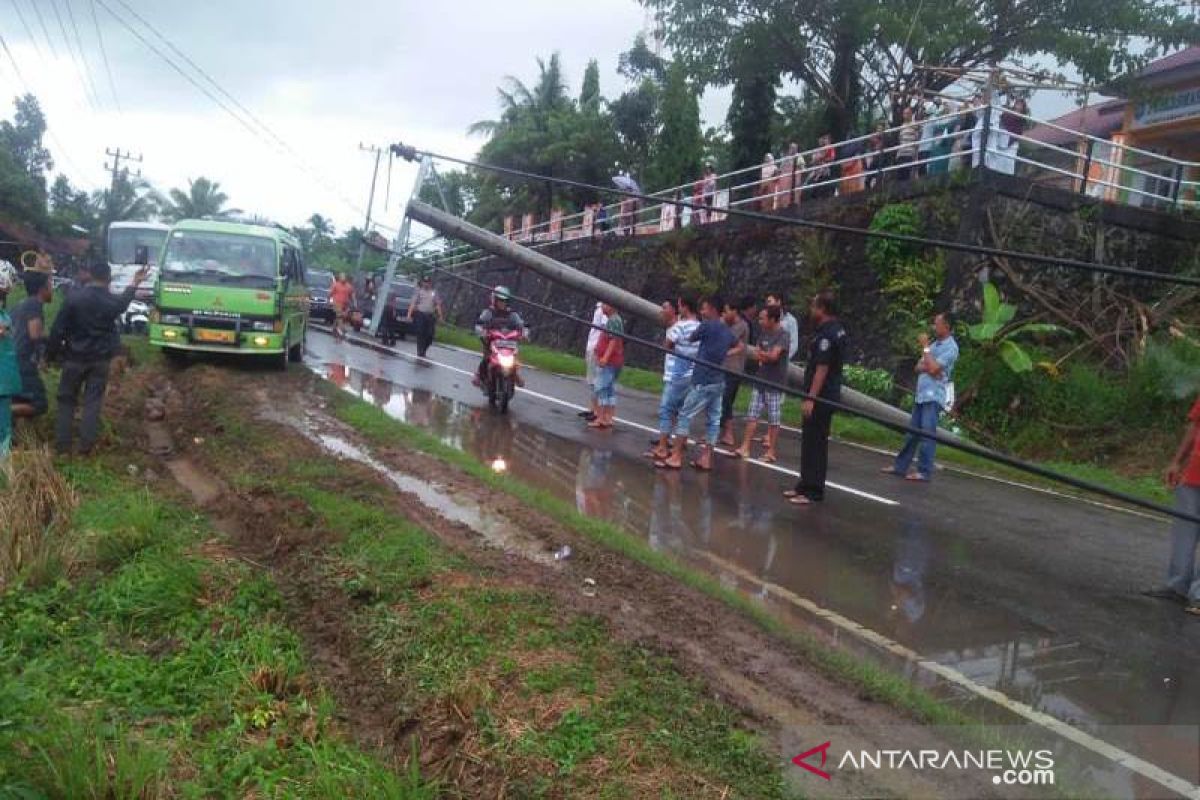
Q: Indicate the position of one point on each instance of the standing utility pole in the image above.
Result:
(378, 151)
(115, 167)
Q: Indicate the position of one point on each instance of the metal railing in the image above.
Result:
(970, 138)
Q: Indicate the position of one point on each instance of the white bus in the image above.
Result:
(124, 239)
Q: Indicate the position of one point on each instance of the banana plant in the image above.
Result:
(997, 332)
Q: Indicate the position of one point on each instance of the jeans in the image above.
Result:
(1181, 574)
(925, 417)
(674, 393)
(92, 378)
(704, 397)
(606, 386)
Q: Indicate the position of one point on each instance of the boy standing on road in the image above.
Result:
(708, 385)
(822, 379)
(599, 320)
(677, 374)
(85, 334)
(610, 359)
(934, 372)
(771, 357)
(1183, 475)
(735, 362)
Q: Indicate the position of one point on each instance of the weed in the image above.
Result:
(35, 512)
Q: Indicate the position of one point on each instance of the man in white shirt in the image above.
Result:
(599, 320)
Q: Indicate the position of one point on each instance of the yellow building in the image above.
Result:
(1149, 149)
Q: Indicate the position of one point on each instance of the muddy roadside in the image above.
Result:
(198, 420)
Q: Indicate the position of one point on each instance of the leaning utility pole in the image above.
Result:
(378, 151)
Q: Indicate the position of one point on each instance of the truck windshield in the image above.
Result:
(220, 257)
(123, 244)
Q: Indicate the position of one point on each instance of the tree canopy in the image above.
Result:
(854, 54)
(203, 198)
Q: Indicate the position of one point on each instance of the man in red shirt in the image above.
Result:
(1183, 475)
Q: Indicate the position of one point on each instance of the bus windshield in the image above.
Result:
(123, 244)
(220, 257)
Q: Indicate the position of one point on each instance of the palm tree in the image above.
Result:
(129, 199)
(203, 198)
(322, 228)
(549, 94)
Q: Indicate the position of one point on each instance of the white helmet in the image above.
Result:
(8, 276)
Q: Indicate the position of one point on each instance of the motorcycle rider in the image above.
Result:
(497, 317)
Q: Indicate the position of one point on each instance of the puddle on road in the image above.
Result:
(900, 579)
(494, 529)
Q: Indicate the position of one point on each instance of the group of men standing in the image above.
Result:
(84, 338)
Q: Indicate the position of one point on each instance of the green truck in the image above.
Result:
(229, 287)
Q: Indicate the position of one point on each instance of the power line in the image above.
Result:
(28, 30)
(940, 438)
(49, 132)
(112, 84)
(74, 59)
(45, 29)
(411, 153)
(87, 67)
(281, 142)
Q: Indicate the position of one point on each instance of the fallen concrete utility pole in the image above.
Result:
(627, 302)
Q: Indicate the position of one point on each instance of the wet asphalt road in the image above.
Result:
(1023, 591)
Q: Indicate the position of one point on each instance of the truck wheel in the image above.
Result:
(296, 352)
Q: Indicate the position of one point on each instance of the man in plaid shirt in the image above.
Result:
(771, 356)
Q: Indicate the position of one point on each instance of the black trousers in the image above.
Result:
(729, 398)
(424, 326)
(814, 452)
(92, 378)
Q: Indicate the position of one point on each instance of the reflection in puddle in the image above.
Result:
(898, 577)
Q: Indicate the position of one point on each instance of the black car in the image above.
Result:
(319, 307)
(395, 324)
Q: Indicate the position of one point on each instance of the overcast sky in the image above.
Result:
(323, 76)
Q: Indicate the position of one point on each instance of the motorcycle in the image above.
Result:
(500, 382)
(136, 318)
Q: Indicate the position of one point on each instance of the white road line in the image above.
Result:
(646, 428)
(946, 467)
(1054, 725)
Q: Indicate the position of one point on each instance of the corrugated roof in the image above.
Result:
(1187, 57)
(1099, 120)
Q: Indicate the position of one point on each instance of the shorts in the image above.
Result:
(593, 367)
(772, 401)
(606, 386)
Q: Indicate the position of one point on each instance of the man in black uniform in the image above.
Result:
(823, 379)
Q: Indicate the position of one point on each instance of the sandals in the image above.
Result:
(666, 465)
(696, 465)
(800, 500)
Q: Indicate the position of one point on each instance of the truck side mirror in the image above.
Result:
(141, 255)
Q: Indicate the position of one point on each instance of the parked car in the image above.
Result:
(319, 307)
(395, 324)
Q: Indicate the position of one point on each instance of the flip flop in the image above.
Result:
(731, 453)
(800, 500)
(917, 477)
(790, 493)
(768, 459)
(666, 465)
(697, 466)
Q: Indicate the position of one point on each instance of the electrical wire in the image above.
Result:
(940, 438)
(87, 67)
(28, 30)
(250, 115)
(410, 153)
(74, 59)
(58, 145)
(112, 84)
(45, 28)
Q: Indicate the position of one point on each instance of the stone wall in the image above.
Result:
(746, 257)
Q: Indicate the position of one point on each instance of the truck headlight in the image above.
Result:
(262, 326)
(261, 341)
(171, 319)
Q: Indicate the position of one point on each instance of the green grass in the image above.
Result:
(873, 682)
(443, 634)
(136, 677)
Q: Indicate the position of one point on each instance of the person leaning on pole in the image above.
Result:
(1183, 475)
